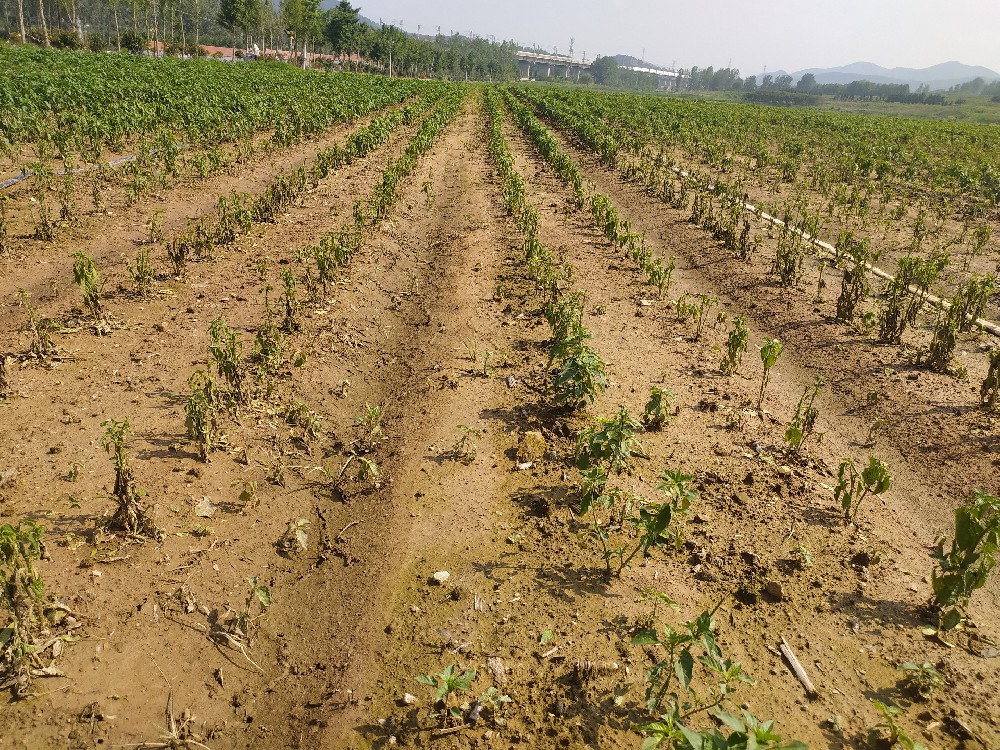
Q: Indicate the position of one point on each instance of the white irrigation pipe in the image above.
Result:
(981, 323)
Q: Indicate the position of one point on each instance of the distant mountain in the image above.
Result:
(938, 77)
(627, 61)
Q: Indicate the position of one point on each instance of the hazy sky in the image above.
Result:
(779, 34)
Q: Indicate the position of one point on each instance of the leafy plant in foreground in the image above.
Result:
(888, 733)
(673, 696)
(854, 486)
(967, 565)
(21, 592)
(610, 443)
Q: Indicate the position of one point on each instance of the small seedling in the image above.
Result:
(290, 323)
(86, 277)
(802, 556)
(238, 629)
(465, 448)
(143, 274)
(449, 684)
(305, 419)
(657, 411)
(130, 515)
(42, 345)
(367, 472)
(804, 422)
(201, 412)
(922, 679)
(370, 424)
(888, 733)
(989, 393)
(854, 486)
(155, 226)
(268, 350)
(295, 538)
(248, 494)
(769, 354)
(736, 346)
(227, 350)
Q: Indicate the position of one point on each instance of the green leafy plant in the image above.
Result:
(770, 351)
(736, 346)
(922, 679)
(675, 695)
(610, 443)
(657, 411)
(449, 685)
(888, 733)
(370, 425)
(967, 565)
(227, 350)
(854, 486)
(804, 422)
(650, 521)
(130, 516)
(742, 731)
(565, 318)
(580, 379)
(201, 413)
(21, 597)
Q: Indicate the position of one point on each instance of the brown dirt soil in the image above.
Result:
(436, 322)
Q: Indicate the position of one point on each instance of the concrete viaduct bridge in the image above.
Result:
(537, 65)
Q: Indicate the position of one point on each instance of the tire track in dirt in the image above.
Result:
(428, 280)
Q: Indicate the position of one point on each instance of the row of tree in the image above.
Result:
(299, 26)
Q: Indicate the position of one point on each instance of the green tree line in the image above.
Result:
(295, 27)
